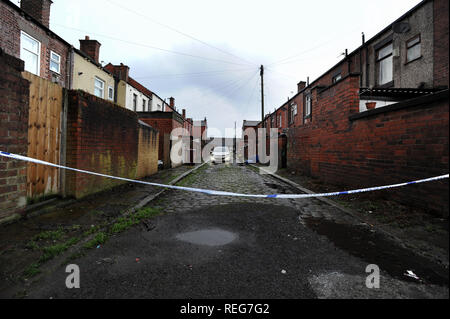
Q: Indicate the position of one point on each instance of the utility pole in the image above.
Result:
(262, 93)
(235, 140)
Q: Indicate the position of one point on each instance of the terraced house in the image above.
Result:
(88, 74)
(380, 115)
(25, 34)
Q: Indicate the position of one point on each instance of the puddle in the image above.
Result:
(209, 237)
(374, 248)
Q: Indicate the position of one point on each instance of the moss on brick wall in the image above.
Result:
(102, 137)
(148, 151)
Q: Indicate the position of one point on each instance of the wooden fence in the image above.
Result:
(44, 135)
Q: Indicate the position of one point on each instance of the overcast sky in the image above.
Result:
(220, 45)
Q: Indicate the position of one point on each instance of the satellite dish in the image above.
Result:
(401, 27)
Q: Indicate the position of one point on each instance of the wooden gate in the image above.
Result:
(44, 136)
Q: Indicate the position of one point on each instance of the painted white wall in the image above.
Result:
(157, 103)
(363, 108)
(130, 91)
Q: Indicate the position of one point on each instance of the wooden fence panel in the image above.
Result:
(44, 136)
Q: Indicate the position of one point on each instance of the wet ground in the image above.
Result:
(228, 247)
(18, 243)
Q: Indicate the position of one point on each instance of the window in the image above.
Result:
(111, 93)
(99, 87)
(308, 105)
(143, 105)
(30, 50)
(135, 102)
(293, 112)
(272, 121)
(55, 62)
(385, 64)
(280, 124)
(336, 78)
(414, 49)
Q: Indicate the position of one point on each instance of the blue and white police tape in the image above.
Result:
(220, 193)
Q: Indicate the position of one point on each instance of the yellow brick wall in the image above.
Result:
(148, 151)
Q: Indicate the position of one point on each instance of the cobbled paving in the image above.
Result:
(243, 179)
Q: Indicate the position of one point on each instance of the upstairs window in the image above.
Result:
(292, 113)
(30, 51)
(111, 93)
(385, 64)
(280, 118)
(55, 62)
(308, 105)
(336, 78)
(99, 88)
(135, 97)
(414, 49)
(143, 105)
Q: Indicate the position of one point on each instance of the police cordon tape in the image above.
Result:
(220, 193)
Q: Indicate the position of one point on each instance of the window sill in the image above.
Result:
(420, 101)
(406, 63)
(385, 86)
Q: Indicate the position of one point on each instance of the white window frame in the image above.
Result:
(110, 89)
(100, 88)
(381, 61)
(144, 104)
(308, 105)
(38, 73)
(280, 121)
(293, 112)
(57, 62)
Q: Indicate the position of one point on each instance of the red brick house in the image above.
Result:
(165, 122)
(379, 116)
(25, 34)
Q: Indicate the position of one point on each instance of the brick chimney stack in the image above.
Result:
(119, 71)
(91, 48)
(38, 9)
(172, 102)
(301, 85)
(184, 114)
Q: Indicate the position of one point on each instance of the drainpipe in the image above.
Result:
(63, 138)
(69, 69)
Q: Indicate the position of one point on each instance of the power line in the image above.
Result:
(322, 44)
(251, 96)
(179, 32)
(283, 74)
(148, 46)
(209, 73)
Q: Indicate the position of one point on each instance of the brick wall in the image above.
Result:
(164, 122)
(441, 42)
(147, 163)
(14, 99)
(12, 22)
(394, 146)
(102, 137)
